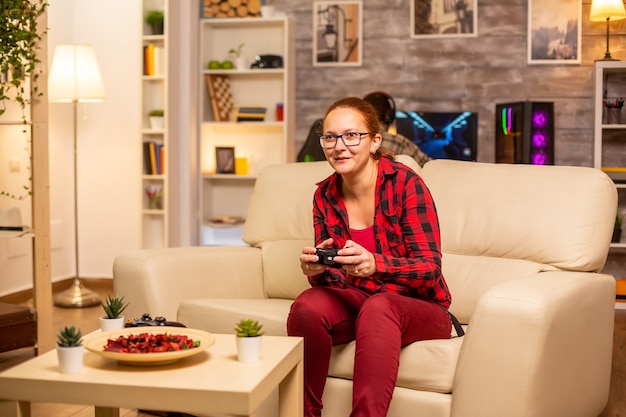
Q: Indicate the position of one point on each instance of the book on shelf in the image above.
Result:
(154, 158)
(250, 113)
(154, 60)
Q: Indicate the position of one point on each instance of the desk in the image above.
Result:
(210, 382)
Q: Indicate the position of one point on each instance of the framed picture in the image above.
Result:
(554, 31)
(338, 33)
(224, 160)
(443, 18)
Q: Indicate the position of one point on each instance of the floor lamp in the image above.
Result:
(607, 10)
(75, 78)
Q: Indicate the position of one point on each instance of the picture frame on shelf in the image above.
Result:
(224, 160)
(554, 32)
(443, 18)
(338, 33)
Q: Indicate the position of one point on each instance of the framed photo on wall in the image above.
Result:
(554, 34)
(337, 33)
(443, 18)
(224, 160)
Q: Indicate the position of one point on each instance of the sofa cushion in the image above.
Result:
(435, 359)
(427, 365)
(282, 276)
(469, 277)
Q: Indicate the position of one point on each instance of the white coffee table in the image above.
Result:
(209, 382)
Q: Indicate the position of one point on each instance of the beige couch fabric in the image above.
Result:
(521, 249)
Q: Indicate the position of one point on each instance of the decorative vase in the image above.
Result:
(156, 122)
(617, 236)
(241, 63)
(70, 359)
(107, 324)
(249, 349)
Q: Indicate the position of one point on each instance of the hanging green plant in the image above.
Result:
(20, 36)
(19, 62)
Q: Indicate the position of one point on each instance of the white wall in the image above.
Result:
(109, 186)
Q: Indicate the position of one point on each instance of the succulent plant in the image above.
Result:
(113, 306)
(156, 113)
(69, 337)
(248, 328)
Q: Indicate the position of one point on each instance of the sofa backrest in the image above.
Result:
(498, 222)
(501, 222)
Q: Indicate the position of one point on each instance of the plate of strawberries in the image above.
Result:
(149, 346)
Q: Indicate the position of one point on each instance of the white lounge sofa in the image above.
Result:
(522, 247)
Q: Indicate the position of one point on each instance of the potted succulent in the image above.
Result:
(248, 338)
(156, 119)
(113, 308)
(70, 350)
(155, 19)
(617, 231)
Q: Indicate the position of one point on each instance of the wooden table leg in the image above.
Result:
(107, 412)
(14, 408)
(291, 393)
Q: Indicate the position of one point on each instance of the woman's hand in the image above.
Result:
(356, 260)
(308, 258)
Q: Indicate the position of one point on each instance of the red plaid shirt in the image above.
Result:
(408, 254)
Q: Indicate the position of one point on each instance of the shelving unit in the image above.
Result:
(610, 129)
(154, 86)
(262, 143)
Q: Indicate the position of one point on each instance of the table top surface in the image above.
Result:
(214, 375)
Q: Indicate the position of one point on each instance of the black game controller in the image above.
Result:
(146, 321)
(326, 256)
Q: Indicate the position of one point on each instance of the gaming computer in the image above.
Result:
(524, 133)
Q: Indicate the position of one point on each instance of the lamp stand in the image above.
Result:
(77, 295)
(607, 54)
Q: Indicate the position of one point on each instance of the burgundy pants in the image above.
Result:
(381, 324)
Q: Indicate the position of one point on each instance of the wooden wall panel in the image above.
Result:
(458, 73)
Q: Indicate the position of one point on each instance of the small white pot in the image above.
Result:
(107, 324)
(249, 349)
(70, 359)
(156, 122)
(267, 11)
(241, 63)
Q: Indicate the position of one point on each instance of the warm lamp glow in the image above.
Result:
(607, 10)
(74, 75)
(601, 10)
(74, 78)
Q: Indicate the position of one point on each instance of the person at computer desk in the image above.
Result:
(400, 145)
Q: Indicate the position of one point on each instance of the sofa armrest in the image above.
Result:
(155, 281)
(538, 347)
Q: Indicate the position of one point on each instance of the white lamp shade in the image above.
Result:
(601, 10)
(74, 75)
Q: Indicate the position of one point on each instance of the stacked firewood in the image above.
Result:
(232, 8)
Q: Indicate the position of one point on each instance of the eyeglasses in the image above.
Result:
(348, 139)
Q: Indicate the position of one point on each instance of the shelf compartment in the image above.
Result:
(262, 143)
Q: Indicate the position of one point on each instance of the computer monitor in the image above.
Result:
(441, 135)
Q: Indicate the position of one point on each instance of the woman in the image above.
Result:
(387, 290)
